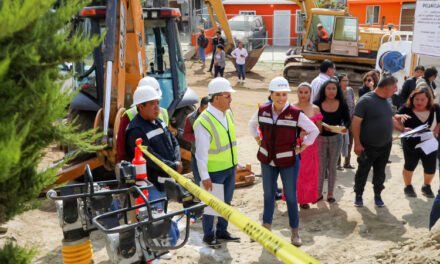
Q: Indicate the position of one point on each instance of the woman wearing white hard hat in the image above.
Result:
(216, 154)
(279, 123)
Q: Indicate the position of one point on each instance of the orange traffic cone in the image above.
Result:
(141, 170)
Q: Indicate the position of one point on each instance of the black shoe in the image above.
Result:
(227, 236)
(378, 201)
(409, 191)
(358, 201)
(426, 191)
(212, 242)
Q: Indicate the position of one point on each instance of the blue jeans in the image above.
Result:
(227, 178)
(289, 177)
(202, 54)
(435, 211)
(154, 194)
(240, 71)
(195, 169)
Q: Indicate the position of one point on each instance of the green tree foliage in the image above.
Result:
(35, 39)
(11, 253)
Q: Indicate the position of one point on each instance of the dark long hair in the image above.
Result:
(339, 94)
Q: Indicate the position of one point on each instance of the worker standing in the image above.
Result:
(216, 153)
(161, 143)
(240, 54)
(130, 113)
(279, 123)
(155, 134)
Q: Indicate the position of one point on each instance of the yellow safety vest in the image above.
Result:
(163, 115)
(222, 153)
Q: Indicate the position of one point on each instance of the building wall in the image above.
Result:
(391, 9)
(267, 12)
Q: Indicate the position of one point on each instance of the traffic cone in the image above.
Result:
(141, 170)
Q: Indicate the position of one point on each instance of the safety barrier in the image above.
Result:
(283, 250)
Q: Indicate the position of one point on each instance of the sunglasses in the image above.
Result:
(369, 80)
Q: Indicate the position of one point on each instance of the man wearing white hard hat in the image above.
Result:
(279, 124)
(150, 81)
(216, 153)
(155, 134)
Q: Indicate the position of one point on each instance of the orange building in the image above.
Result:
(375, 13)
(280, 17)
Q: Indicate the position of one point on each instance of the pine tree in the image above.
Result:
(35, 39)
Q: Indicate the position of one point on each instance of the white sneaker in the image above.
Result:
(167, 256)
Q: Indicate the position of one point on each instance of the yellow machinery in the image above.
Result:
(352, 48)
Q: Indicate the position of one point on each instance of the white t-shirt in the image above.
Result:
(240, 55)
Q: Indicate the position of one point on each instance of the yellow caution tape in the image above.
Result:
(283, 250)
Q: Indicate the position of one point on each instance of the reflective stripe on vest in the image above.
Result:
(163, 114)
(222, 152)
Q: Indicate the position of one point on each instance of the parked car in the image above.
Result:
(251, 30)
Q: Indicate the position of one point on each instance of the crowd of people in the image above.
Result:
(218, 60)
(305, 142)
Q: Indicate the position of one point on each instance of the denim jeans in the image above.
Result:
(240, 71)
(202, 54)
(227, 178)
(289, 177)
(435, 211)
(154, 194)
(195, 169)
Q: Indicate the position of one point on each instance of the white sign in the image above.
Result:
(426, 36)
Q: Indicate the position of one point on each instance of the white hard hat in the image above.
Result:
(150, 81)
(319, 25)
(279, 84)
(219, 85)
(144, 94)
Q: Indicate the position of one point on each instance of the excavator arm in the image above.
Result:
(215, 7)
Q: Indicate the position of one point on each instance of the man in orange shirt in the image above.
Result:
(323, 34)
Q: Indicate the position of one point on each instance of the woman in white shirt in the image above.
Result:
(240, 54)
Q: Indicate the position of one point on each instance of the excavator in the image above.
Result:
(352, 48)
(138, 42)
(216, 9)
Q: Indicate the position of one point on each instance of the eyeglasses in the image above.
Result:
(369, 80)
(344, 80)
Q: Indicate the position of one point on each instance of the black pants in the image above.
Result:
(212, 59)
(218, 70)
(377, 158)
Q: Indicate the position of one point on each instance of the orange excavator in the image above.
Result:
(136, 37)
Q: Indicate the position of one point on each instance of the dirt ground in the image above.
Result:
(337, 233)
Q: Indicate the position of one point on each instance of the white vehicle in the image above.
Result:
(395, 56)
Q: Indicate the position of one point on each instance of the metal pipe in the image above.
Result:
(108, 94)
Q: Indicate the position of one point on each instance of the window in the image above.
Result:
(299, 22)
(373, 14)
(346, 29)
(248, 12)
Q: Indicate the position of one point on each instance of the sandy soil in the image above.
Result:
(338, 233)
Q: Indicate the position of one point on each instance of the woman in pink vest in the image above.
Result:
(280, 123)
(307, 186)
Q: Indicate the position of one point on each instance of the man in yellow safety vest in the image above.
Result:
(150, 81)
(216, 154)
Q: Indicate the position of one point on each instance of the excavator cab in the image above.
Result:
(342, 35)
(165, 60)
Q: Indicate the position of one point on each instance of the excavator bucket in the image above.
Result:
(252, 59)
